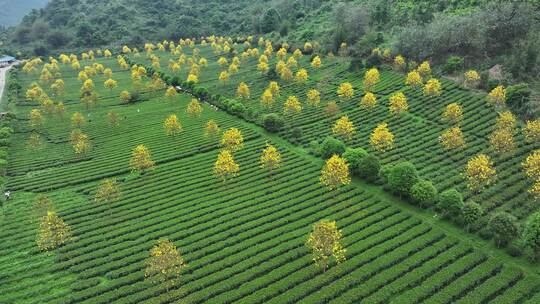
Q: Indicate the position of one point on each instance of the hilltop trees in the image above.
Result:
(141, 160)
(53, 232)
(165, 264)
(335, 173)
(324, 243)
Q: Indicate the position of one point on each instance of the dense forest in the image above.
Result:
(457, 33)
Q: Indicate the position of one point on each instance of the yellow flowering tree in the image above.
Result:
(36, 118)
(371, 78)
(497, 96)
(424, 69)
(335, 173)
(172, 126)
(313, 97)
(301, 76)
(108, 192)
(453, 114)
(532, 130)
(212, 130)
(274, 88)
(479, 172)
(125, 96)
(223, 77)
(270, 158)
(110, 84)
(141, 160)
(381, 138)
(164, 265)
(171, 93)
(267, 99)
(194, 108)
(506, 120)
(344, 128)
(242, 91)
(331, 109)
(53, 232)
(531, 165)
(398, 103)
(369, 101)
(292, 106)
(324, 243)
(452, 139)
(192, 78)
(316, 62)
(399, 63)
(77, 120)
(433, 88)
(225, 167)
(112, 119)
(471, 78)
(502, 140)
(232, 140)
(414, 79)
(345, 90)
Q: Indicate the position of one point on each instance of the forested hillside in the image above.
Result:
(460, 33)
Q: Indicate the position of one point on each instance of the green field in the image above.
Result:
(244, 240)
(416, 132)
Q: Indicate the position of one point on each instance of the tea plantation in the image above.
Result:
(244, 240)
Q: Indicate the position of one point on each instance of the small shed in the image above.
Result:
(6, 60)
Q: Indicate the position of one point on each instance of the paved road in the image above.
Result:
(3, 72)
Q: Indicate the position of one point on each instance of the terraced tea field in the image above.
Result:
(416, 132)
(244, 240)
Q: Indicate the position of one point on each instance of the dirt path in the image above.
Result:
(3, 73)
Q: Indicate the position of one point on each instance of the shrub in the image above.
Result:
(424, 193)
(402, 177)
(353, 158)
(314, 148)
(273, 122)
(236, 108)
(373, 60)
(531, 236)
(296, 134)
(331, 146)
(504, 228)
(518, 99)
(450, 202)
(384, 172)
(5, 132)
(369, 167)
(471, 212)
(453, 64)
